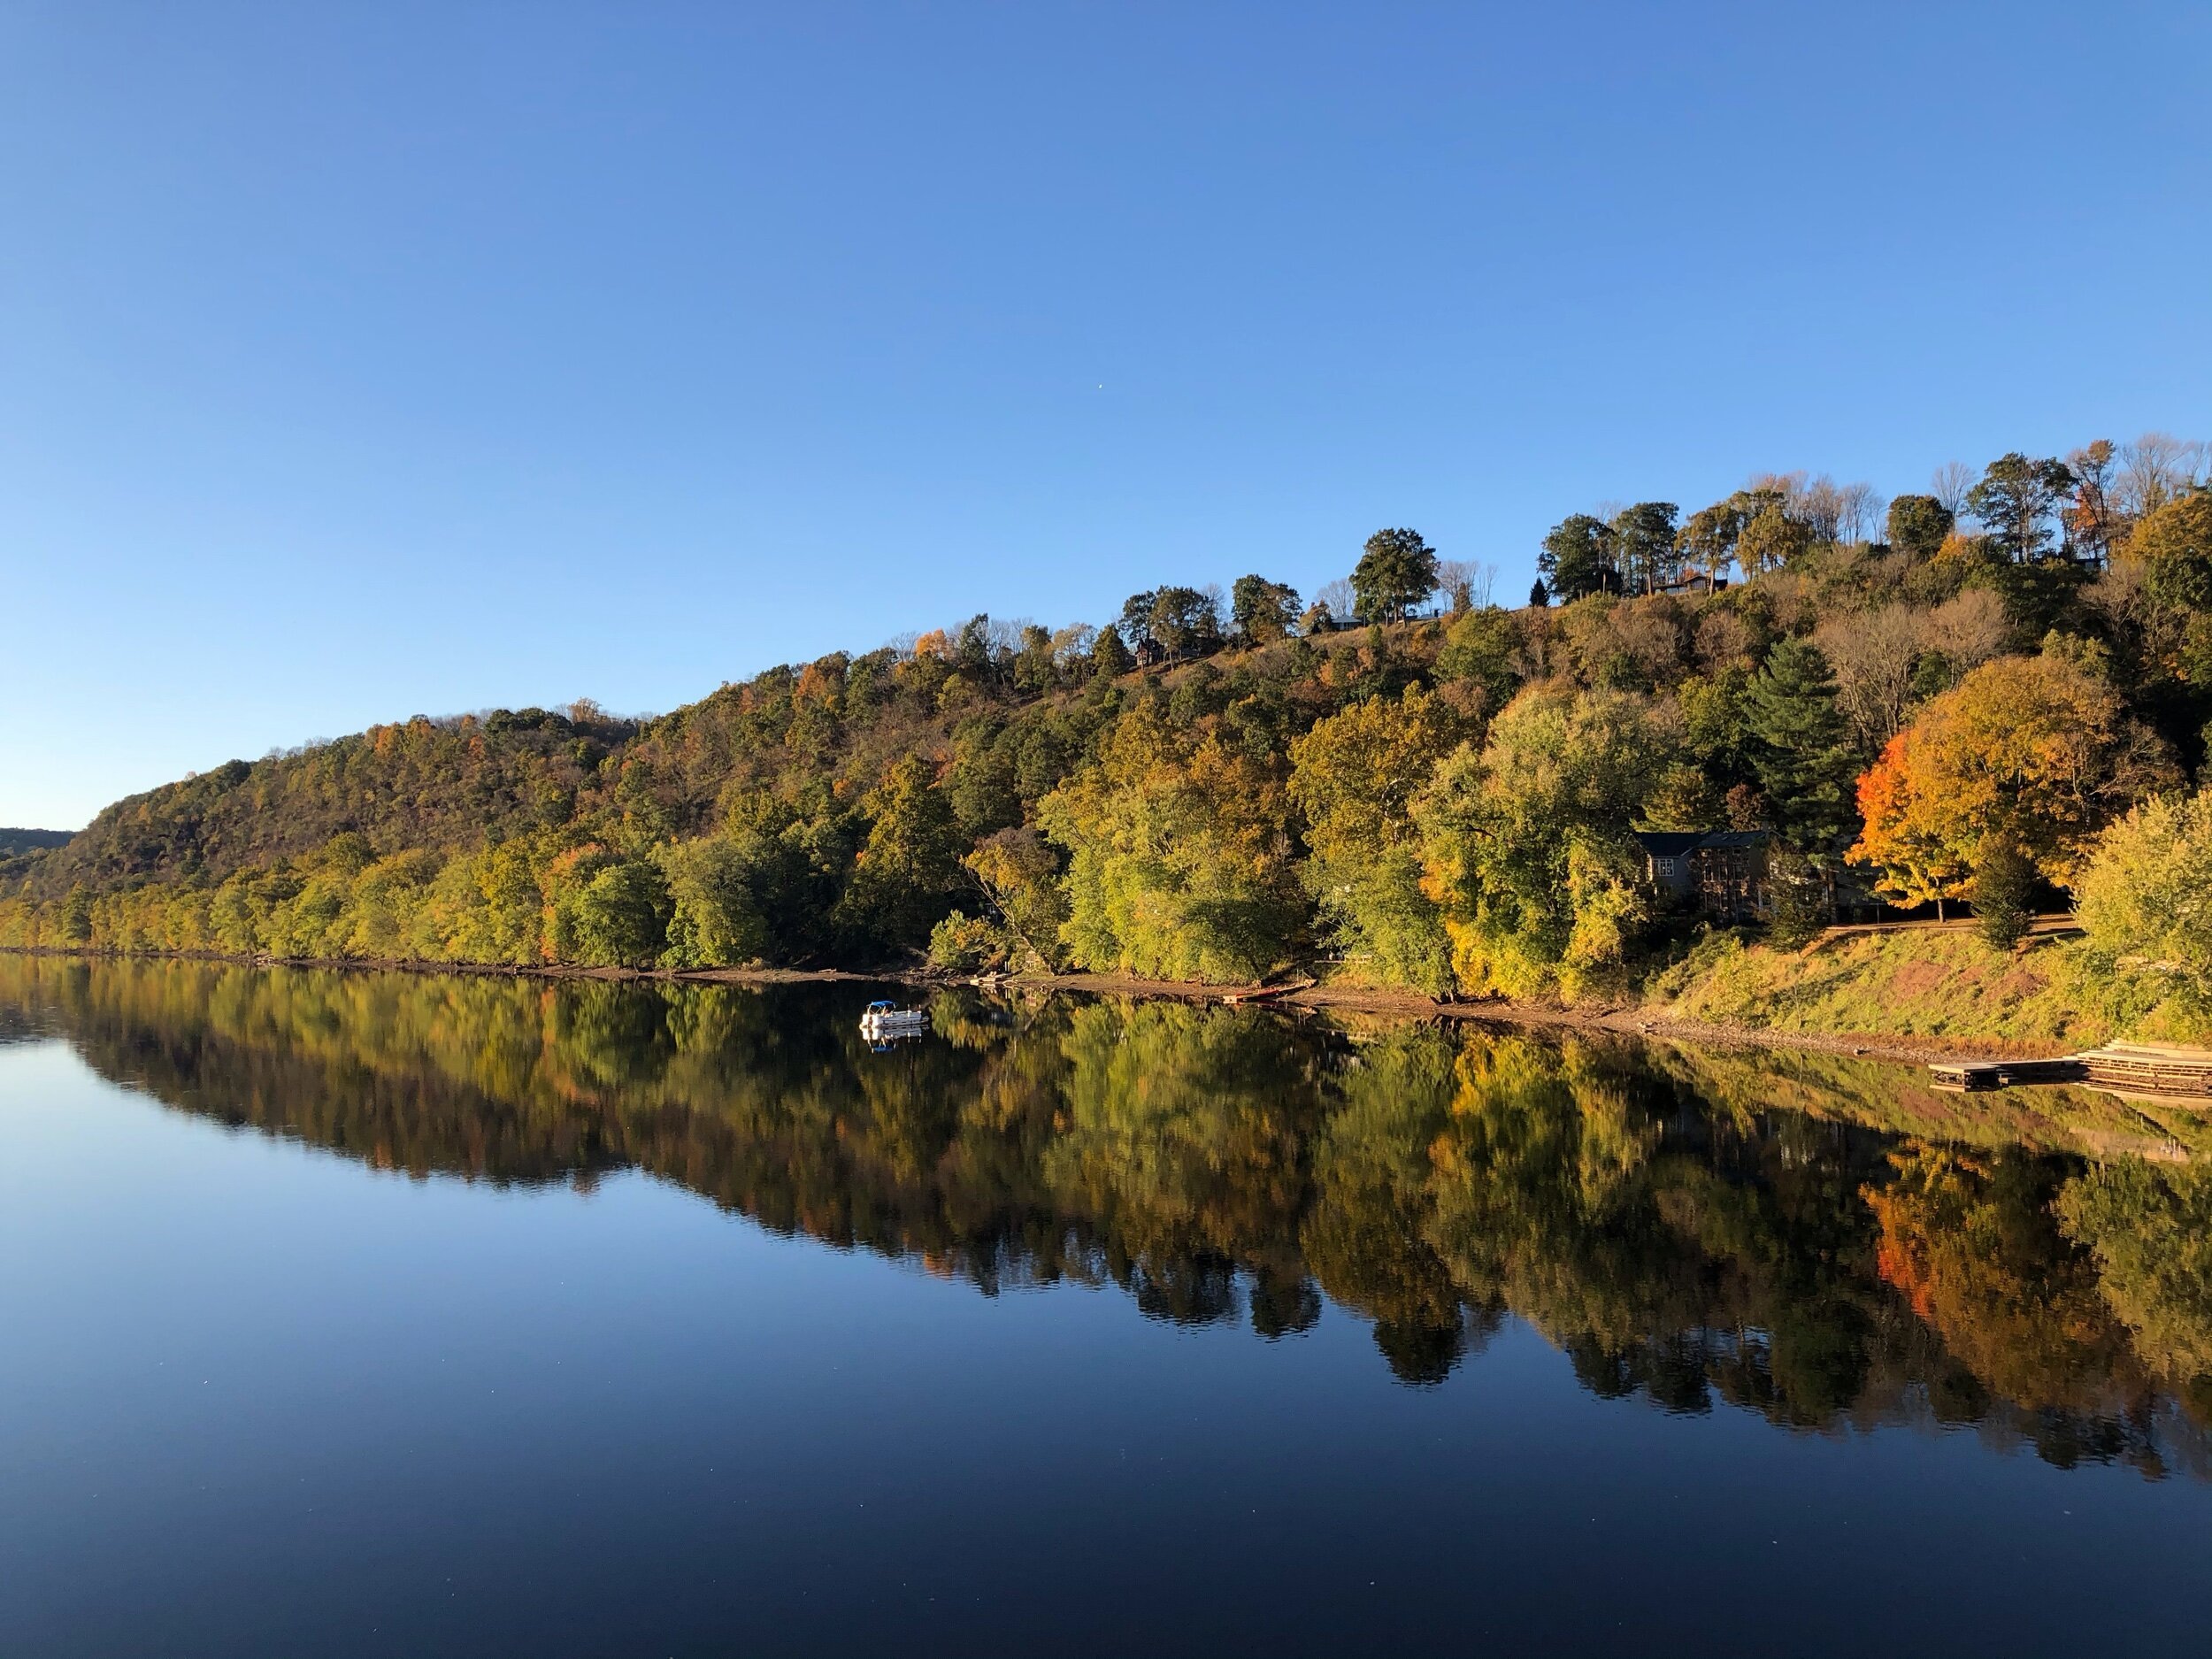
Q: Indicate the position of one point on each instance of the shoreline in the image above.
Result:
(1630, 1019)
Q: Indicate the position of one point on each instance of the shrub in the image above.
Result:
(962, 943)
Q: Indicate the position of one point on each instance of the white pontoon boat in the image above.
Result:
(887, 1019)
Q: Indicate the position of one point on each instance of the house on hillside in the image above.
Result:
(1720, 873)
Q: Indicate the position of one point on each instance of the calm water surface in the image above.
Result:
(397, 1314)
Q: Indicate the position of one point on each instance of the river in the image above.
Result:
(395, 1314)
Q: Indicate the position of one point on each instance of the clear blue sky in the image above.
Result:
(359, 362)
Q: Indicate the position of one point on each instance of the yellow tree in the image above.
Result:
(1526, 843)
(1017, 869)
(1354, 776)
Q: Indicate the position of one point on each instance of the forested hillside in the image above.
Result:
(26, 840)
(1995, 694)
(439, 784)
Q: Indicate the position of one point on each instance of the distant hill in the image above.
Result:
(431, 783)
(30, 841)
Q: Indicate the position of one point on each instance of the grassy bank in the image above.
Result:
(1945, 987)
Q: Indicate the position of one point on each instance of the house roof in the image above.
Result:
(1674, 844)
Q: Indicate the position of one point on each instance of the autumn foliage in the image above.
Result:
(1368, 786)
(2031, 752)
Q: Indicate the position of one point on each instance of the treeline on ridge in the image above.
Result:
(1994, 693)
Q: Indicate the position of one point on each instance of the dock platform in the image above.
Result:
(2146, 1071)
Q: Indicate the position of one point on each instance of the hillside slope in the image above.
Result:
(26, 840)
(1452, 803)
(438, 784)
(2050, 996)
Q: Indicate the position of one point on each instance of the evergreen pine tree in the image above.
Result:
(1397, 572)
(1109, 656)
(1798, 748)
(2003, 887)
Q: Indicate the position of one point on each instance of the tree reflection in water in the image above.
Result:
(1822, 1242)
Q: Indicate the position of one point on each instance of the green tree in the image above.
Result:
(389, 897)
(2146, 898)
(1708, 541)
(1917, 525)
(485, 906)
(1683, 798)
(1801, 894)
(715, 915)
(1036, 672)
(1771, 539)
(1482, 648)
(1353, 776)
(1578, 557)
(1800, 746)
(619, 919)
(1714, 733)
(1179, 856)
(2004, 888)
(980, 783)
(1260, 611)
(1136, 620)
(2173, 546)
(962, 943)
(1395, 572)
(2016, 503)
(973, 653)
(1644, 544)
(909, 869)
(1183, 622)
(1110, 654)
(76, 916)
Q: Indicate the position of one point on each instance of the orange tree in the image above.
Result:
(2031, 752)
